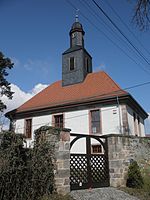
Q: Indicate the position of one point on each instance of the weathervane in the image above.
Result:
(77, 16)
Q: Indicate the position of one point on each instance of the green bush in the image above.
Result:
(134, 179)
(146, 177)
(25, 174)
(13, 167)
(42, 169)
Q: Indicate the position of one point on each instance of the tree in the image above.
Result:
(5, 88)
(142, 14)
(135, 179)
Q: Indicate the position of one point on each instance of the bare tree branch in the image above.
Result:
(141, 16)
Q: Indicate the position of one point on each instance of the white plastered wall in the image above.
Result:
(130, 120)
(111, 117)
(37, 122)
(131, 123)
(77, 121)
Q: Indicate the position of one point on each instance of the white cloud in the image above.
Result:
(20, 97)
(37, 88)
(100, 67)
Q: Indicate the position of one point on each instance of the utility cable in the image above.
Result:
(127, 27)
(92, 11)
(113, 23)
(106, 94)
(102, 32)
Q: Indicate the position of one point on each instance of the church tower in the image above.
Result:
(76, 61)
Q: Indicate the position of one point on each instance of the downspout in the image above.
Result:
(120, 128)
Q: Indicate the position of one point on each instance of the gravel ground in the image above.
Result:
(108, 193)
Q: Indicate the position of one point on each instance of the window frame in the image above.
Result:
(28, 133)
(96, 146)
(87, 64)
(71, 63)
(139, 125)
(90, 121)
(59, 123)
(135, 123)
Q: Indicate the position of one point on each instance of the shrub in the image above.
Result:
(25, 174)
(13, 167)
(134, 179)
(42, 169)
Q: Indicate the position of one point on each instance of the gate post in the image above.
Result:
(62, 172)
(60, 141)
(88, 152)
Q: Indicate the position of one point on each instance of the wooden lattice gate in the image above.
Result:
(89, 170)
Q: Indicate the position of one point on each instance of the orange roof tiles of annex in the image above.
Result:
(96, 85)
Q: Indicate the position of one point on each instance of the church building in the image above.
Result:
(84, 101)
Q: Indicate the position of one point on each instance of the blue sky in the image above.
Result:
(34, 33)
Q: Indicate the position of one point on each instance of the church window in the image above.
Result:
(87, 64)
(72, 60)
(96, 148)
(58, 121)
(28, 128)
(135, 123)
(95, 121)
(139, 126)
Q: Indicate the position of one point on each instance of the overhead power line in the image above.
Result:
(127, 27)
(92, 11)
(109, 28)
(68, 118)
(113, 23)
(108, 38)
(114, 93)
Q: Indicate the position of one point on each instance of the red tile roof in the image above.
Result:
(97, 85)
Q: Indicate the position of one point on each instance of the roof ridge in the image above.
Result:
(55, 93)
(113, 81)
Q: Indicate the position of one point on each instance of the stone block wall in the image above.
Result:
(121, 149)
(60, 139)
(62, 173)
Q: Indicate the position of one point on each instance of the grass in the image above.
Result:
(139, 193)
(144, 192)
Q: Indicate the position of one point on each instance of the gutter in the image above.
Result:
(127, 98)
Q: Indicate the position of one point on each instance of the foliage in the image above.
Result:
(146, 176)
(139, 193)
(13, 167)
(25, 174)
(144, 192)
(142, 14)
(134, 179)
(5, 89)
(42, 169)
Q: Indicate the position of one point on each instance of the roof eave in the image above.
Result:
(124, 98)
(133, 103)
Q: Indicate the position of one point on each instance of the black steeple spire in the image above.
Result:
(76, 61)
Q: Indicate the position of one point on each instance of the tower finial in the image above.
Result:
(77, 16)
